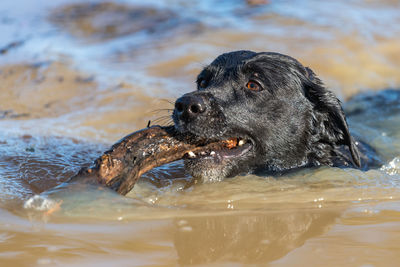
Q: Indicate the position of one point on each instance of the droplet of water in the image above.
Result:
(186, 229)
(182, 222)
(44, 261)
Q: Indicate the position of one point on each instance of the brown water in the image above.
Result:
(75, 77)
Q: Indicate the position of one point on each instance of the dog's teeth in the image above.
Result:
(212, 153)
(191, 154)
(241, 143)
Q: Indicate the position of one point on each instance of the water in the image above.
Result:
(75, 78)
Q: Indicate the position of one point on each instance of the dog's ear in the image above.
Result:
(327, 104)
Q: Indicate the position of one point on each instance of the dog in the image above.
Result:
(274, 114)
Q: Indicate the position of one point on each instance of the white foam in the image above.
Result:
(39, 203)
(393, 167)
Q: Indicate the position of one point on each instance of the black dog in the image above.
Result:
(274, 112)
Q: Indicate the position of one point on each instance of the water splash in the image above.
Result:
(393, 167)
(40, 203)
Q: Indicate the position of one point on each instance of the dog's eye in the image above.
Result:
(253, 86)
(202, 83)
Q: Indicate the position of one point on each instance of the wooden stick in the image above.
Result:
(120, 167)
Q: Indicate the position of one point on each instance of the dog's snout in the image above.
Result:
(190, 106)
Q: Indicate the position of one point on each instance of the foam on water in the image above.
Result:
(393, 167)
(40, 203)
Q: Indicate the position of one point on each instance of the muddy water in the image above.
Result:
(76, 77)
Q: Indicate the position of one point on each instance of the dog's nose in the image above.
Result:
(189, 106)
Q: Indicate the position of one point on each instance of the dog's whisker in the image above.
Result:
(158, 111)
(162, 117)
(172, 102)
(163, 120)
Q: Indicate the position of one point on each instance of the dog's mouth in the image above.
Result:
(226, 149)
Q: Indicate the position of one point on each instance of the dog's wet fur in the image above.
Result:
(280, 110)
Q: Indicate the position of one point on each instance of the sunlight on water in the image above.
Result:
(393, 167)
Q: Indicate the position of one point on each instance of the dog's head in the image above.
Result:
(271, 112)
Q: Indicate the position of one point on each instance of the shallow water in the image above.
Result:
(77, 77)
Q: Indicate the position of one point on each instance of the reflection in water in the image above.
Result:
(247, 238)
